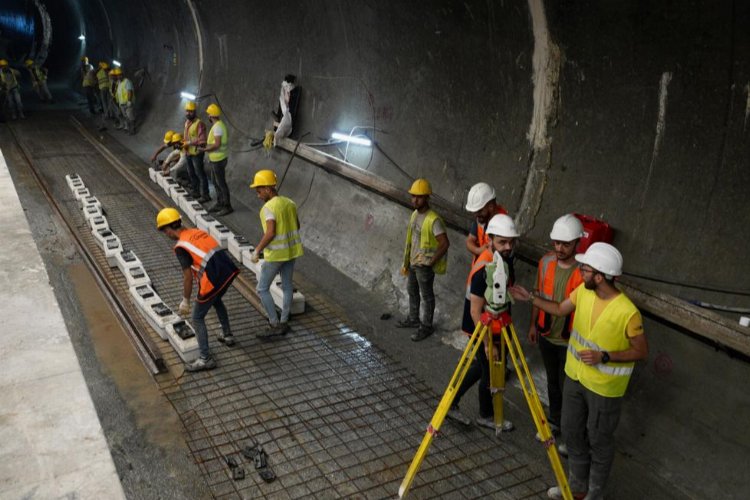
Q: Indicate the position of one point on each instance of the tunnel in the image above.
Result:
(634, 114)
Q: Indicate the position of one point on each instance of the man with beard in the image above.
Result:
(557, 276)
(217, 147)
(482, 203)
(502, 234)
(605, 342)
(195, 137)
(424, 257)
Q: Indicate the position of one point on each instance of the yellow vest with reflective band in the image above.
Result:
(191, 133)
(610, 379)
(427, 241)
(89, 78)
(221, 153)
(8, 78)
(122, 92)
(287, 244)
(103, 79)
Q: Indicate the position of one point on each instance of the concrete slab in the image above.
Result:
(53, 444)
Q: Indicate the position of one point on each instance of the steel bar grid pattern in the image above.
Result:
(336, 415)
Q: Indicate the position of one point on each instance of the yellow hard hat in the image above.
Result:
(176, 137)
(103, 64)
(168, 136)
(264, 178)
(117, 72)
(3, 63)
(166, 216)
(84, 59)
(213, 110)
(111, 72)
(29, 62)
(420, 187)
(190, 106)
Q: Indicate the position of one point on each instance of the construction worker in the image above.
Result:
(165, 145)
(11, 90)
(102, 80)
(425, 255)
(195, 136)
(502, 233)
(557, 276)
(125, 100)
(605, 342)
(482, 203)
(202, 259)
(114, 108)
(281, 246)
(88, 81)
(38, 77)
(217, 145)
(175, 164)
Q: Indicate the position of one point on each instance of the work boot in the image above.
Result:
(273, 331)
(489, 423)
(556, 494)
(408, 323)
(562, 449)
(215, 208)
(225, 211)
(455, 415)
(226, 339)
(201, 364)
(204, 198)
(422, 333)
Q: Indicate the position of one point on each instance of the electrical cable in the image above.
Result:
(226, 116)
(294, 153)
(706, 288)
(718, 307)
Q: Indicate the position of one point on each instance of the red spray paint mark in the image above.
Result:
(663, 364)
(369, 221)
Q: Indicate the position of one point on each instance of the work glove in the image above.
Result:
(254, 258)
(184, 308)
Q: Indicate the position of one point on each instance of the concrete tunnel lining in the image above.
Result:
(453, 87)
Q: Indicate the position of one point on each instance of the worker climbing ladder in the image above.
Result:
(497, 323)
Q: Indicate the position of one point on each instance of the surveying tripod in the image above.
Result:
(502, 325)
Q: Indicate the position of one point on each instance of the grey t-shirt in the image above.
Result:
(417, 255)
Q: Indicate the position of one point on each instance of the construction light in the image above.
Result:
(188, 96)
(82, 37)
(362, 141)
(116, 63)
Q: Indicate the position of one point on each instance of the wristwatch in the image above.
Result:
(605, 357)
(532, 296)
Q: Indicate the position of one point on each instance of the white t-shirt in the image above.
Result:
(417, 255)
(268, 214)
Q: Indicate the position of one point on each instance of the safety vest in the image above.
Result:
(89, 77)
(191, 133)
(221, 153)
(287, 243)
(8, 78)
(122, 92)
(608, 334)
(546, 286)
(209, 269)
(103, 79)
(482, 237)
(427, 241)
(484, 260)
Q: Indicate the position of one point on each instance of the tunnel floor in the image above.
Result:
(337, 416)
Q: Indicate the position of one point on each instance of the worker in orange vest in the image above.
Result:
(482, 203)
(202, 259)
(557, 276)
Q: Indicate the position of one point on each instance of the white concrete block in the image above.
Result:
(98, 222)
(158, 315)
(185, 201)
(169, 185)
(152, 173)
(177, 193)
(110, 243)
(221, 234)
(89, 201)
(81, 193)
(183, 339)
(298, 300)
(237, 244)
(161, 179)
(136, 276)
(205, 221)
(74, 181)
(193, 209)
(91, 211)
(126, 259)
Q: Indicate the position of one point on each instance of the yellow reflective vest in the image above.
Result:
(103, 78)
(218, 154)
(287, 243)
(608, 334)
(427, 241)
(191, 133)
(122, 91)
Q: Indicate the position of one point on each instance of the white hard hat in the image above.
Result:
(566, 228)
(603, 257)
(479, 195)
(502, 225)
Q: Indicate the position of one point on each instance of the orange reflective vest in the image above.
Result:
(482, 237)
(211, 272)
(546, 285)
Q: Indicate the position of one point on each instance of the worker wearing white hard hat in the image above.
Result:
(605, 342)
(557, 276)
(482, 203)
(479, 296)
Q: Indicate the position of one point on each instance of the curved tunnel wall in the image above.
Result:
(643, 109)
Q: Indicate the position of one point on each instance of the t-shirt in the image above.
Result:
(477, 287)
(417, 255)
(557, 323)
(267, 213)
(635, 325)
(184, 258)
(217, 132)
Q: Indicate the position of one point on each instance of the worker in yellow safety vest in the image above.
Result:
(217, 146)
(10, 90)
(125, 95)
(102, 80)
(606, 340)
(557, 276)
(38, 77)
(88, 81)
(281, 246)
(194, 134)
(204, 261)
(425, 255)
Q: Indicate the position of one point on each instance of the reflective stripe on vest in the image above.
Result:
(200, 256)
(608, 334)
(427, 241)
(286, 243)
(103, 79)
(221, 153)
(191, 132)
(546, 286)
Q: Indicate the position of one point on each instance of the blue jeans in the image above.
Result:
(198, 177)
(219, 178)
(267, 273)
(199, 320)
(420, 281)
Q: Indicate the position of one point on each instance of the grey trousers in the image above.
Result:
(420, 282)
(588, 424)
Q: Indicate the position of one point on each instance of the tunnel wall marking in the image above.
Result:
(661, 124)
(199, 38)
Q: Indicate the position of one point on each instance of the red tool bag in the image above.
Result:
(593, 230)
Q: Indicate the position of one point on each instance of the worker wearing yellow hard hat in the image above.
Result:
(88, 82)
(102, 81)
(166, 142)
(217, 146)
(38, 76)
(281, 245)
(175, 165)
(424, 256)
(203, 261)
(125, 96)
(194, 134)
(9, 85)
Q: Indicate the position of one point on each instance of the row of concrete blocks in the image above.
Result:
(162, 319)
(236, 244)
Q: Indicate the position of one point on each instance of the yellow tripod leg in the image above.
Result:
(535, 406)
(497, 384)
(475, 343)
